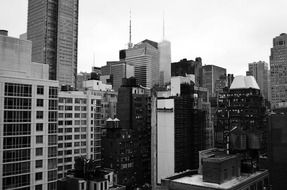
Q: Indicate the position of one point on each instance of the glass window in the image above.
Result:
(39, 163)
(39, 151)
(40, 102)
(39, 126)
(39, 139)
(39, 114)
(40, 90)
(39, 176)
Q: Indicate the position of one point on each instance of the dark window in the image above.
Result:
(53, 92)
(39, 163)
(40, 102)
(38, 187)
(39, 126)
(40, 90)
(39, 151)
(39, 176)
(39, 114)
(39, 139)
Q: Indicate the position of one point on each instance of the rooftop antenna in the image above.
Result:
(94, 60)
(130, 45)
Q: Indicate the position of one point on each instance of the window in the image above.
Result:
(53, 92)
(39, 139)
(40, 90)
(39, 115)
(39, 176)
(40, 102)
(39, 126)
(39, 163)
(38, 187)
(39, 151)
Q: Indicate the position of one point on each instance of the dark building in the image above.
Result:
(241, 122)
(186, 67)
(210, 75)
(131, 143)
(277, 148)
(180, 132)
(53, 30)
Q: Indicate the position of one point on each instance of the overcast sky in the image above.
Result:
(227, 33)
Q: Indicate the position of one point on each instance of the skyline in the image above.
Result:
(216, 31)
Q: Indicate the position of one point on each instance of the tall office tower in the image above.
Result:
(260, 72)
(180, 130)
(277, 146)
(241, 121)
(127, 148)
(117, 70)
(188, 67)
(278, 70)
(28, 119)
(144, 56)
(164, 62)
(210, 74)
(79, 128)
(53, 30)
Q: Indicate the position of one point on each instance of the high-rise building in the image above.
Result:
(164, 62)
(181, 119)
(188, 67)
(260, 72)
(278, 70)
(79, 128)
(210, 74)
(127, 144)
(53, 30)
(28, 119)
(117, 70)
(144, 56)
(277, 147)
(241, 121)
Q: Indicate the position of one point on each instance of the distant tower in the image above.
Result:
(278, 66)
(164, 58)
(130, 44)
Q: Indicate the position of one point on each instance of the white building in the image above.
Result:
(79, 128)
(28, 119)
(164, 62)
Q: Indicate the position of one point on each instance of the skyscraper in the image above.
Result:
(117, 70)
(28, 119)
(164, 62)
(260, 72)
(210, 74)
(278, 70)
(144, 56)
(53, 30)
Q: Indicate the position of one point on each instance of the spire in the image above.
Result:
(130, 45)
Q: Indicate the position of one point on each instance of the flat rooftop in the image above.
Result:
(196, 180)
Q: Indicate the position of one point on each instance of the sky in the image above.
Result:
(226, 33)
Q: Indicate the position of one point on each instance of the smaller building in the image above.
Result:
(218, 170)
(105, 180)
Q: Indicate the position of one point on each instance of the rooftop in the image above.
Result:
(244, 82)
(196, 180)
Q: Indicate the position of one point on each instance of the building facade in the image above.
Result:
(28, 119)
(210, 74)
(260, 72)
(117, 70)
(53, 29)
(79, 128)
(188, 67)
(127, 147)
(278, 67)
(164, 62)
(144, 56)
